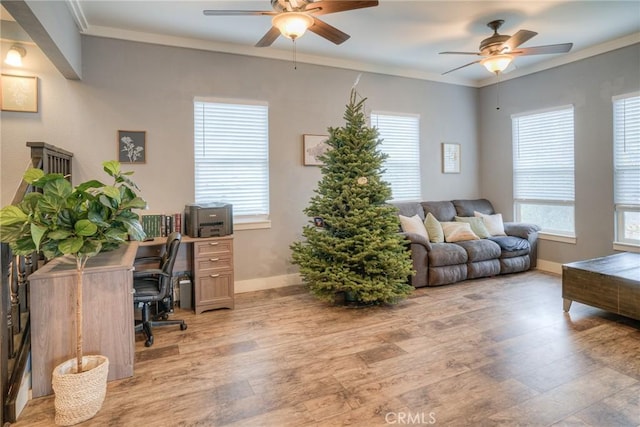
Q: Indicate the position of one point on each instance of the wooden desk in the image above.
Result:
(107, 311)
(210, 262)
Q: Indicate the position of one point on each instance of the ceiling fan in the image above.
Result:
(292, 18)
(500, 49)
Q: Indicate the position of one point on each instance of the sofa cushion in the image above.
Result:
(457, 231)
(512, 246)
(515, 264)
(488, 268)
(413, 224)
(434, 229)
(480, 250)
(477, 225)
(442, 254)
(468, 207)
(447, 274)
(494, 223)
(442, 211)
(409, 209)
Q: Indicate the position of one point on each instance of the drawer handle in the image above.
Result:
(214, 275)
(214, 259)
(214, 243)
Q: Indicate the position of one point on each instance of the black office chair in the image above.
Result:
(153, 286)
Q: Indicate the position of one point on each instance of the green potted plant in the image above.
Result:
(78, 223)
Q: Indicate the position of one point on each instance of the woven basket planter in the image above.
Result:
(78, 397)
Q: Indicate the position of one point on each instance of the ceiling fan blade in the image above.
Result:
(460, 53)
(238, 12)
(465, 65)
(329, 32)
(268, 38)
(324, 7)
(541, 50)
(517, 39)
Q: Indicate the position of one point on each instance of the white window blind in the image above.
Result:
(400, 134)
(543, 169)
(231, 155)
(626, 162)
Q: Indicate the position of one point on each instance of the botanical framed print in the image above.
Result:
(19, 93)
(131, 146)
(313, 147)
(450, 158)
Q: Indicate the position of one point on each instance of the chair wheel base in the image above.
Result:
(183, 327)
(149, 342)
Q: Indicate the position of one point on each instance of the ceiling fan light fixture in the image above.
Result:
(15, 55)
(292, 24)
(497, 63)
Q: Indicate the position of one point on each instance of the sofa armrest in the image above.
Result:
(521, 229)
(417, 239)
(420, 248)
(528, 232)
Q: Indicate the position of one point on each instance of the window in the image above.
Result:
(626, 166)
(400, 134)
(231, 156)
(543, 170)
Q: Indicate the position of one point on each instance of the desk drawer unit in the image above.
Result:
(213, 273)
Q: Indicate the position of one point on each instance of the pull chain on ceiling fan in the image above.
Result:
(500, 50)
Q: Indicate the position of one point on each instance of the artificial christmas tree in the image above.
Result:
(353, 247)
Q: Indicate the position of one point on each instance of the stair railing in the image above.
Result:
(15, 344)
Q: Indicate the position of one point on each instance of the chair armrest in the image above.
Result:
(142, 274)
(521, 229)
(417, 239)
(147, 259)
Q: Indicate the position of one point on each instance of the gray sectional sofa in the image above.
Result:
(444, 263)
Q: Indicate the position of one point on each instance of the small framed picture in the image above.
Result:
(313, 147)
(131, 146)
(19, 93)
(450, 158)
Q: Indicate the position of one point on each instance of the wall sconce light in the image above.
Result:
(292, 24)
(15, 55)
(497, 63)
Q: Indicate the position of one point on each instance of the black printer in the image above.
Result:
(209, 219)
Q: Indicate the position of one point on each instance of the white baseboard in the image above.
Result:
(284, 280)
(549, 266)
(24, 392)
(267, 283)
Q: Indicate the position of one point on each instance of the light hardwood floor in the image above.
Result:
(485, 352)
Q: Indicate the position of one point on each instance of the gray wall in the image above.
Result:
(135, 86)
(589, 85)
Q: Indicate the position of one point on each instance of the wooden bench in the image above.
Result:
(611, 283)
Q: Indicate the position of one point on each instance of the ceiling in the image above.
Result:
(396, 37)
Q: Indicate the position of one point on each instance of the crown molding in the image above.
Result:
(78, 14)
(271, 53)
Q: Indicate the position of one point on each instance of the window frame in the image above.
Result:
(518, 202)
(240, 221)
(620, 242)
(413, 152)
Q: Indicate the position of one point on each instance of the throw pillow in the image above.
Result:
(434, 229)
(413, 224)
(458, 232)
(493, 223)
(477, 225)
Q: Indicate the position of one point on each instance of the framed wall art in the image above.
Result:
(19, 93)
(450, 158)
(313, 147)
(132, 146)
